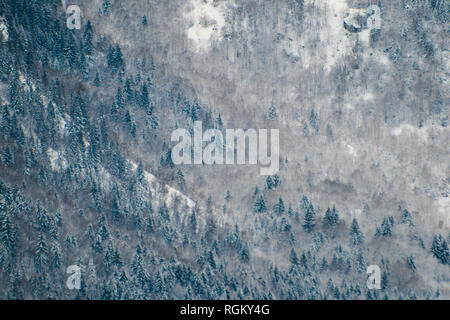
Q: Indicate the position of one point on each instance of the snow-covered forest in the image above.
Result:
(87, 177)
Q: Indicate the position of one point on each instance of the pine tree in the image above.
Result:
(210, 259)
(304, 203)
(273, 182)
(245, 254)
(228, 195)
(128, 90)
(309, 219)
(272, 113)
(119, 99)
(407, 218)
(131, 126)
(111, 257)
(114, 58)
(324, 264)
(260, 204)
(440, 249)
(384, 281)
(41, 254)
(97, 80)
(314, 121)
(7, 158)
(360, 262)
(219, 121)
(56, 257)
(84, 67)
(8, 231)
(144, 101)
(279, 207)
(106, 5)
(331, 218)
(70, 50)
(293, 258)
(88, 39)
(193, 222)
(304, 260)
(411, 263)
(209, 204)
(386, 228)
(118, 57)
(445, 252)
(180, 180)
(356, 235)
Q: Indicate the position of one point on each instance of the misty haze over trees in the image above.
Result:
(87, 178)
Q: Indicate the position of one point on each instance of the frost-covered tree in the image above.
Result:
(331, 217)
(279, 208)
(309, 220)
(260, 204)
(356, 235)
(440, 249)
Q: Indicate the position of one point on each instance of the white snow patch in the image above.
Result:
(334, 41)
(171, 193)
(444, 210)
(22, 79)
(444, 204)
(368, 96)
(57, 160)
(86, 143)
(27, 84)
(4, 93)
(364, 36)
(351, 151)
(349, 106)
(45, 100)
(105, 178)
(62, 125)
(377, 56)
(333, 36)
(206, 18)
(4, 30)
(407, 129)
(383, 59)
(151, 179)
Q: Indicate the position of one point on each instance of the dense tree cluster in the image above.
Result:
(70, 193)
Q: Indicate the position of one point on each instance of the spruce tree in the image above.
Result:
(309, 219)
(279, 207)
(356, 235)
(260, 205)
(88, 39)
(293, 258)
(331, 218)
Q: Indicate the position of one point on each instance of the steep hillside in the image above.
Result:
(87, 177)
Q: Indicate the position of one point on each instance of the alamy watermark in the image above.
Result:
(374, 280)
(251, 144)
(74, 280)
(74, 17)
